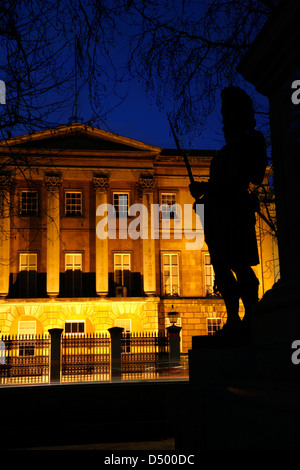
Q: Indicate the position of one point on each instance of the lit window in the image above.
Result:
(168, 207)
(209, 275)
(213, 325)
(170, 274)
(121, 204)
(73, 203)
(27, 274)
(73, 274)
(74, 327)
(73, 261)
(122, 273)
(27, 332)
(29, 203)
(28, 262)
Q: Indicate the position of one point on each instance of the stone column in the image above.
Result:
(6, 185)
(145, 190)
(101, 185)
(53, 184)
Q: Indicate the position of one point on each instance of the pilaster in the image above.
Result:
(6, 186)
(101, 186)
(53, 184)
(146, 187)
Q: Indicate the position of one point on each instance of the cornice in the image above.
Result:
(79, 129)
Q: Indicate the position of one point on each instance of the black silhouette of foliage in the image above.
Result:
(182, 51)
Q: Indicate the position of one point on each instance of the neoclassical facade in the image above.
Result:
(97, 230)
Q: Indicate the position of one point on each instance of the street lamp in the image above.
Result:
(173, 315)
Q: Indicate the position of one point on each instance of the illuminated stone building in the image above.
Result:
(60, 270)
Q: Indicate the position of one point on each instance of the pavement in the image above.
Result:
(92, 416)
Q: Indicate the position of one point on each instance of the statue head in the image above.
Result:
(237, 111)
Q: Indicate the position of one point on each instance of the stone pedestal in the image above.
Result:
(115, 351)
(55, 355)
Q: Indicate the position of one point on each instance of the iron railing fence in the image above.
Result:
(85, 357)
(143, 353)
(24, 358)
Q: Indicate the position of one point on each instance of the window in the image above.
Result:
(73, 203)
(73, 274)
(29, 203)
(213, 325)
(209, 276)
(27, 332)
(170, 274)
(27, 274)
(122, 270)
(121, 204)
(168, 210)
(126, 324)
(75, 327)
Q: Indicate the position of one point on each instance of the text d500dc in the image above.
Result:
(171, 459)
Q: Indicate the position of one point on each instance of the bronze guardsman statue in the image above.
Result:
(229, 208)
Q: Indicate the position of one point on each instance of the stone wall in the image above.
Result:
(192, 314)
(146, 314)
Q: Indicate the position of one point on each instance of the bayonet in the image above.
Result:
(183, 153)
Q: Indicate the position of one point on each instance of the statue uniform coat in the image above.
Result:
(229, 214)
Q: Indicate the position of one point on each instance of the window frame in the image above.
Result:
(29, 285)
(27, 349)
(211, 275)
(73, 191)
(117, 212)
(25, 212)
(170, 253)
(73, 253)
(73, 270)
(219, 323)
(75, 322)
(164, 214)
(28, 254)
(117, 284)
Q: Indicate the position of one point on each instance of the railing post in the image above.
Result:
(2, 352)
(115, 351)
(55, 354)
(174, 343)
(8, 348)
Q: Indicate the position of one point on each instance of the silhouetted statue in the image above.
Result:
(230, 209)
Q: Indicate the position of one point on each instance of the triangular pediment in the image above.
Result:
(79, 137)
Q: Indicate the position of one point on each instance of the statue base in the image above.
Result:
(245, 394)
(276, 318)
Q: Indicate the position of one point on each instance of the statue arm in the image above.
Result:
(198, 189)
